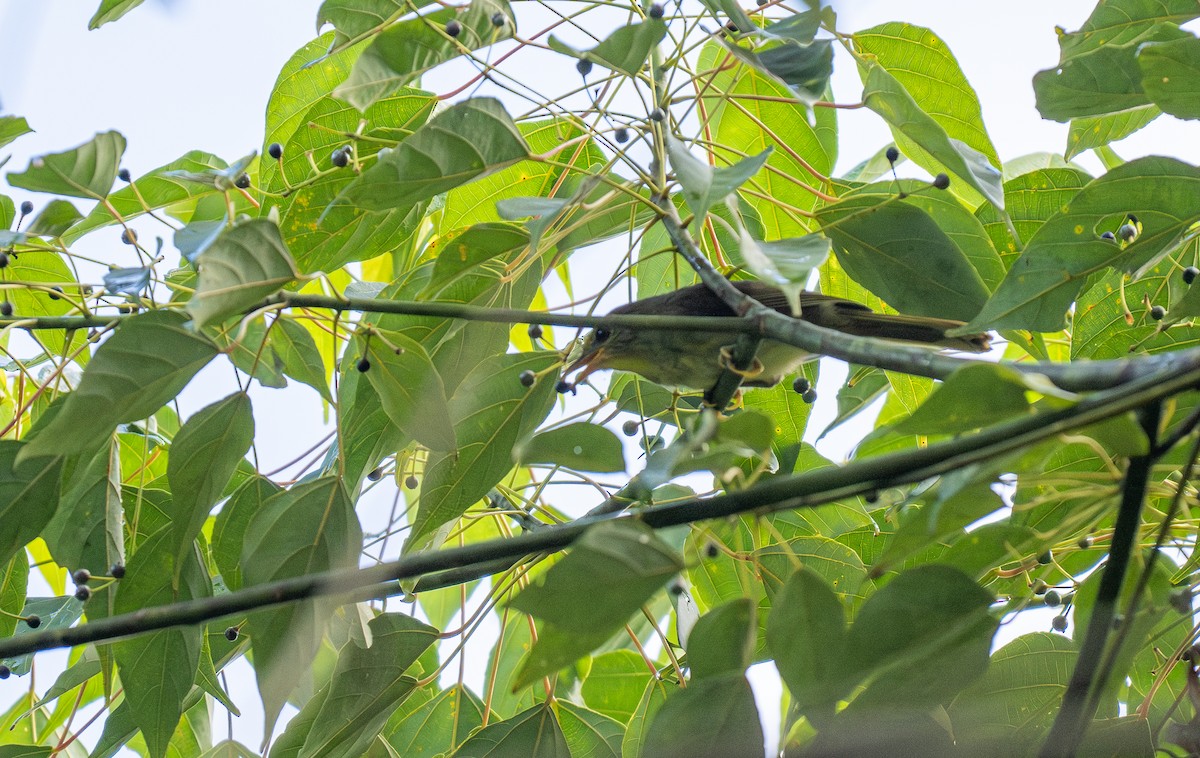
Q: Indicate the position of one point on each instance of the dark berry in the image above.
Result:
(1084, 542)
(376, 474)
(892, 154)
(711, 550)
(871, 497)
(1052, 599)
(1132, 219)
(3, 260)
(563, 387)
(231, 634)
(129, 236)
(657, 115)
(1118, 621)
(275, 150)
(583, 66)
(941, 181)
(656, 11)
(242, 181)
(1039, 587)
(453, 28)
(650, 444)
(1189, 274)
(6, 309)
(527, 378)
(1181, 601)
(363, 365)
(676, 588)
(731, 27)
(411, 482)
(340, 157)
(1158, 312)
(54, 289)
(497, 20)
(761, 3)
(124, 176)
(1045, 558)
(1108, 236)
(117, 571)
(621, 135)
(33, 620)
(1127, 232)
(535, 331)
(1059, 623)
(809, 396)
(801, 385)
(81, 576)
(5, 671)
(83, 593)
(630, 428)
(26, 208)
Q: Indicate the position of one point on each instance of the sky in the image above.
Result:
(196, 74)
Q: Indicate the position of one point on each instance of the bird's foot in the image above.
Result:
(726, 362)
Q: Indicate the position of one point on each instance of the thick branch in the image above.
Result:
(1080, 699)
(780, 493)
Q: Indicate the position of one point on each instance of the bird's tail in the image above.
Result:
(924, 329)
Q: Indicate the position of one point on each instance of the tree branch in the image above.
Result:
(1081, 697)
(805, 490)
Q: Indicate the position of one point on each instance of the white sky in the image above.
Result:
(187, 74)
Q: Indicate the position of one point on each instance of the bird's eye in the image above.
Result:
(601, 334)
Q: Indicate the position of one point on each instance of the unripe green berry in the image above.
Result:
(630, 428)
(1052, 599)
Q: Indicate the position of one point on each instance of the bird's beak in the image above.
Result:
(589, 359)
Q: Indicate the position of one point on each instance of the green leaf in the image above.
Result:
(243, 266)
(111, 10)
(204, 455)
(753, 111)
(1169, 71)
(54, 219)
(158, 669)
(325, 238)
(367, 685)
(29, 494)
(714, 716)
(806, 634)
(579, 447)
(1030, 199)
(1116, 22)
(301, 358)
(892, 246)
(1014, 702)
(705, 185)
(958, 405)
(402, 52)
(40, 270)
(410, 390)
(87, 531)
(86, 171)
(490, 411)
(438, 725)
(311, 527)
(615, 684)
(804, 68)
(14, 581)
(157, 189)
(922, 638)
(354, 18)
(624, 51)
(923, 64)
(1068, 248)
(722, 641)
(886, 96)
(229, 531)
(1097, 131)
(120, 385)
(588, 733)
(463, 142)
(1105, 80)
(626, 559)
(534, 733)
(12, 127)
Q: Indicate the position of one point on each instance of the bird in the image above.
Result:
(691, 360)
